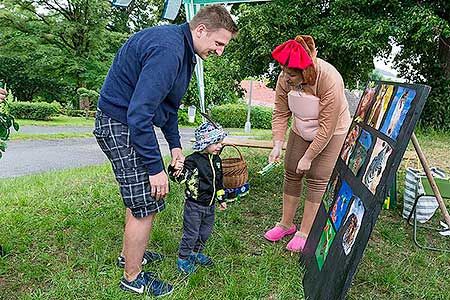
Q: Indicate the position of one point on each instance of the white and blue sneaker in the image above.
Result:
(202, 259)
(148, 257)
(185, 266)
(148, 283)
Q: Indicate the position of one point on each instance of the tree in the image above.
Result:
(424, 37)
(221, 86)
(88, 98)
(76, 28)
(350, 34)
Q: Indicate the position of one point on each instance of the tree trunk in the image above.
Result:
(444, 54)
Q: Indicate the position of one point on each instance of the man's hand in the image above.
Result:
(177, 160)
(159, 184)
(2, 95)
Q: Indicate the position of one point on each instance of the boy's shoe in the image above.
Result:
(186, 266)
(202, 259)
(146, 282)
(148, 257)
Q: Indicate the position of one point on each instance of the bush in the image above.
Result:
(235, 116)
(79, 113)
(34, 110)
(183, 118)
(220, 85)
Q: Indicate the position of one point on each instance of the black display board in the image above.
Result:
(372, 151)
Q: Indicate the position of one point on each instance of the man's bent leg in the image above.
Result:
(136, 236)
(127, 217)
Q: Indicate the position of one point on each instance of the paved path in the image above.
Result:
(35, 156)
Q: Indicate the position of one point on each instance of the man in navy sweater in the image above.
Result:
(143, 89)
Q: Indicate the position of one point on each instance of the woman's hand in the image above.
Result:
(275, 154)
(303, 165)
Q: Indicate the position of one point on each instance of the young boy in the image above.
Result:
(202, 174)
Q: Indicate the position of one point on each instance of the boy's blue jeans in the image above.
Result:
(198, 222)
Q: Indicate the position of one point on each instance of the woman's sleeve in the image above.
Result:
(281, 113)
(331, 94)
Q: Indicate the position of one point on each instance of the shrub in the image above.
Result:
(220, 85)
(79, 113)
(183, 118)
(235, 116)
(34, 110)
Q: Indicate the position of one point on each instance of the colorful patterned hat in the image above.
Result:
(207, 134)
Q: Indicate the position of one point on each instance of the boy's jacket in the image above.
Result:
(202, 174)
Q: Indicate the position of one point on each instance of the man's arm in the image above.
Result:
(150, 91)
(172, 135)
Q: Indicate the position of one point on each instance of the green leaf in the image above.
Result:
(3, 132)
(16, 126)
(3, 146)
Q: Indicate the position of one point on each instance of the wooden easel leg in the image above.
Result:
(430, 178)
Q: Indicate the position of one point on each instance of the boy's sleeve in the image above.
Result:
(220, 188)
(185, 174)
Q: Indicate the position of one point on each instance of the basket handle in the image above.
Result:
(234, 146)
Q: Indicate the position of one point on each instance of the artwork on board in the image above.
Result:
(350, 142)
(330, 192)
(326, 239)
(365, 102)
(352, 224)
(376, 141)
(377, 164)
(397, 112)
(359, 155)
(340, 205)
(380, 105)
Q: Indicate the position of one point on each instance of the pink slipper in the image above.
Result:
(277, 233)
(296, 244)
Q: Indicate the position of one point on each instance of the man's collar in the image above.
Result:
(188, 36)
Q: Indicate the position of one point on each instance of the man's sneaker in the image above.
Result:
(146, 282)
(202, 259)
(148, 257)
(186, 266)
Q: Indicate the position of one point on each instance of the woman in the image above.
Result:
(311, 90)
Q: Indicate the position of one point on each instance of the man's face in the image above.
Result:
(209, 43)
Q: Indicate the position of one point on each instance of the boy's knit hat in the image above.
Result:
(207, 134)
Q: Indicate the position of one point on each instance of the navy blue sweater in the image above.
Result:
(144, 86)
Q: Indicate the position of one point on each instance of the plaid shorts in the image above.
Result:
(113, 138)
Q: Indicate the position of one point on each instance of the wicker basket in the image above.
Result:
(234, 170)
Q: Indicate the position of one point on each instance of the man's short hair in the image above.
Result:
(214, 17)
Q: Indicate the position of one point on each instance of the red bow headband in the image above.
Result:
(293, 52)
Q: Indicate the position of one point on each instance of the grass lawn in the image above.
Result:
(62, 232)
(59, 121)
(48, 136)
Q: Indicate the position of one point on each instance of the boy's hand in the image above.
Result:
(178, 167)
(177, 159)
(222, 206)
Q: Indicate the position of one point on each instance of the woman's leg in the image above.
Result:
(316, 181)
(292, 186)
(292, 189)
(290, 204)
(309, 214)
